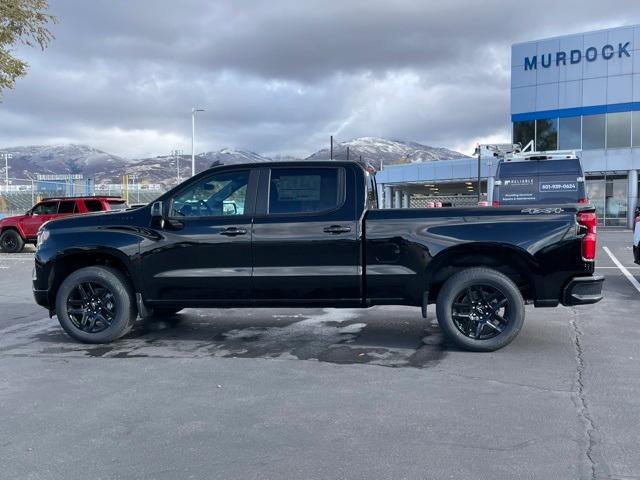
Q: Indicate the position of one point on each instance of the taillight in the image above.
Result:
(495, 203)
(589, 221)
(583, 200)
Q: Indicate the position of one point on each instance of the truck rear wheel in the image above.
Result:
(480, 309)
(95, 305)
(11, 242)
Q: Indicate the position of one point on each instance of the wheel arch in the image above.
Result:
(74, 260)
(512, 261)
(15, 228)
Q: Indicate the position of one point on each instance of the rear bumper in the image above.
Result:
(583, 290)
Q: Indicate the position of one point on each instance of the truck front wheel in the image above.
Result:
(11, 241)
(95, 305)
(480, 309)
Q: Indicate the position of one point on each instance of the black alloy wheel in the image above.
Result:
(480, 309)
(91, 307)
(96, 304)
(481, 312)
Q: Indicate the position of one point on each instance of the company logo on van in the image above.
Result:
(572, 57)
(518, 181)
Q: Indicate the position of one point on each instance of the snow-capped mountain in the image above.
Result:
(164, 169)
(106, 168)
(376, 150)
(60, 159)
(229, 156)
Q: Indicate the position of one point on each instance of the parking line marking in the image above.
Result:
(628, 268)
(623, 269)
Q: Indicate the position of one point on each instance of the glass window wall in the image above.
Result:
(635, 119)
(570, 133)
(608, 193)
(619, 130)
(547, 134)
(524, 132)
(593, 129)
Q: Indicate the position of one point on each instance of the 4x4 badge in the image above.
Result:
(537, 211)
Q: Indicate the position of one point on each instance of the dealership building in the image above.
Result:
(575, 92)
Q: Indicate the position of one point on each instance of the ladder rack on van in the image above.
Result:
(515, 152)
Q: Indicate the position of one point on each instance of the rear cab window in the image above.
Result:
(539, 182)
(305, 190)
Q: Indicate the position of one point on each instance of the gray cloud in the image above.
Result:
(281, 76)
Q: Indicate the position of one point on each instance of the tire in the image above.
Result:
(107, 292)
(480, 309)
(11, 242)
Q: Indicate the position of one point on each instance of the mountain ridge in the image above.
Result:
(104, 167)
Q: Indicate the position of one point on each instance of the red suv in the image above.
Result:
(16, 231)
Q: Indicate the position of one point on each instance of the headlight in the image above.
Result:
(43, 235)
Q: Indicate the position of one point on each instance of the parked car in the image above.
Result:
(308, 234)
(18, 230)
(539, 178)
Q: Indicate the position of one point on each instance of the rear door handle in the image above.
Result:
(335, 229)
(233, 231)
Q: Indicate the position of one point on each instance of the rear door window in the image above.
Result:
(305, 190)
(93, 205)
(67, 207)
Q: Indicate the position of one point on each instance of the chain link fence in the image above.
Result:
(17, 195)
(419, 201)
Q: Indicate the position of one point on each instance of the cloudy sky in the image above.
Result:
(280, 76)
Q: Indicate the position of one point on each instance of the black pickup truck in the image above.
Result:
(308, 234)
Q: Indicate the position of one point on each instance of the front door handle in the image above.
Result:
(233, 231)
(335, 229)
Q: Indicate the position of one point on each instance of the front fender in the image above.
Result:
(53, 257)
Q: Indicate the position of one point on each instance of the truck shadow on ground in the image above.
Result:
(377, 337)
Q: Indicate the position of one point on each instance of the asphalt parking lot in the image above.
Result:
(321, 394)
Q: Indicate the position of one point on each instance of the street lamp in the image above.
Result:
(6, 156)
(193, 138)
(176, 154)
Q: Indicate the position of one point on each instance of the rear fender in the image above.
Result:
(501, 257)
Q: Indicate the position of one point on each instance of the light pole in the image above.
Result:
(6, 156)
(193, 138)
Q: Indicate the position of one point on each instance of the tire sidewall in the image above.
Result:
(116, 282)
(480, 276)
(18, 239)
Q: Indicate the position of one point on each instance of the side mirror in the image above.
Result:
(157, 215)
(156, 210)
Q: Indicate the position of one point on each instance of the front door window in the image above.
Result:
(216, 196)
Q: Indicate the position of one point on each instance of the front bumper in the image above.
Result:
(41, 297)
(583, 290)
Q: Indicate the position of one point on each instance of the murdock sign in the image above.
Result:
(590, 54)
